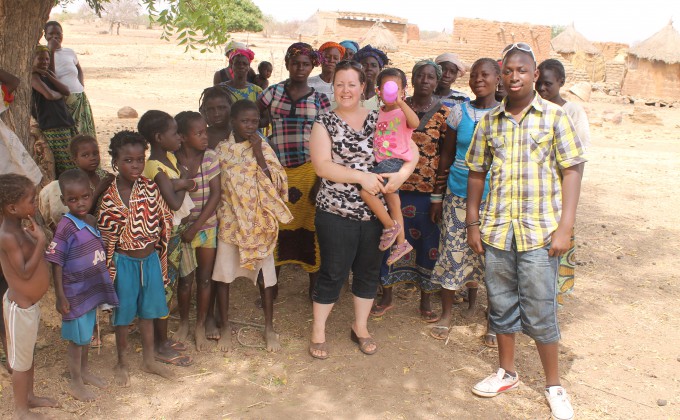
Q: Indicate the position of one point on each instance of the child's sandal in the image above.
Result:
(389, 236)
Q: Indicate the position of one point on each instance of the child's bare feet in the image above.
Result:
(121, 375)
(157, 369)
(80, 392)
(211, 330)
(224, 342)
(201, 340)
(90, 379)
(37, 402)
(182, 332)
(271, 339)
(27, 415)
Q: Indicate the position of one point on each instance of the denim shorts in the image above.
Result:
(387, 166)
(522, 291)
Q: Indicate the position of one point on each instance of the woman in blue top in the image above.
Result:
(458, 266)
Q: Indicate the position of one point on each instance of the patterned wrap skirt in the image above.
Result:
(58, 139)
(79, 108)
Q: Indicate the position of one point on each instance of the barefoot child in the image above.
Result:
(21, 257)
(81, 278)
(160, 130)
(535, 161)
(215, 106)
(199, 240)
(135, 223)
(396, 122)
(253, 202)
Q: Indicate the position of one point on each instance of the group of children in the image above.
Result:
(210, 198)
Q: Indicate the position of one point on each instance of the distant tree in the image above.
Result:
(121, 12)
(203, 24)
(556, 30)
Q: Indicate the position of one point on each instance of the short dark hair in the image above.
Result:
(184, 120)
(13, 187)
(52, 23)
(393, 72)
(493, 63)
(72, 176)
(554, 65)
(217, 91)
(123, 138)
(350, 65)
(263, 64)
(153, 122)
(79, 140)
(243, 105)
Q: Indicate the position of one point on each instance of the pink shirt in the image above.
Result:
(392, 136)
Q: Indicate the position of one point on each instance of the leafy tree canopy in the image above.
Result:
(203, 24)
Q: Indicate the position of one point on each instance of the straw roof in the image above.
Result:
(570, 41)
(662, 46)
(380, 37)
(310, 27)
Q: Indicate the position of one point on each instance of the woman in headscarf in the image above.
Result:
(292, 106)
(372, 60)
(238, 86)
(351, 48)
(416, 194)
(331, 54)
(452, 69)
(226, 74)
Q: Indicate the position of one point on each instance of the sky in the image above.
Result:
(628, 21)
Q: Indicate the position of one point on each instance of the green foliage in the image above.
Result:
(556, 30)
(205, 24)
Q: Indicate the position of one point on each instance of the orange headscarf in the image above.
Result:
(327, 45)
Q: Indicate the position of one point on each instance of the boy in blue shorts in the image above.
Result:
(81, 278)
(536, 163)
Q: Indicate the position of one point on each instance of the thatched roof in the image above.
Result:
(662, 46)
(380, 37)
(570, 41)
(310, 27)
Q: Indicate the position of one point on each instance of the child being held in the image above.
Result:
(23, 265)
(264, 72)
(81, 278)
(392, 147)
(253, 203)
(135, 224)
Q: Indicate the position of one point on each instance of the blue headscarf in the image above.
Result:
(350, 45)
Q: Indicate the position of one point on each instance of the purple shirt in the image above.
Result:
(78, 248)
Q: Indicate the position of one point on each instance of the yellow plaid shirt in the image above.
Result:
(525, 159)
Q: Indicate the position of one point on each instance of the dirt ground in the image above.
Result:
(620, 348)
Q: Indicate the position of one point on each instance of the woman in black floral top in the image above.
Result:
(341, 147)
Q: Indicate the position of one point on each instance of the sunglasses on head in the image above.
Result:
(349, 63)
(520, 46)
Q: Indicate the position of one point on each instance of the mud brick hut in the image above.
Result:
(654, 67)
(580, 52)
(336, 26)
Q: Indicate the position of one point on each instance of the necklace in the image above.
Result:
(421, 109)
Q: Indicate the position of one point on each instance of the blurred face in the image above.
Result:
(425, 81)
(299, 68)
(394, 79)
(483, 80)
(245, 124)
(449, 74)
(240, 65)
(548, 85)
(54, 32)
(519, 74)
(78, 198)
(347, 88)
(197, 135)
(170, 139)
(130, 162)
(26, 205)
(349, 54)
(87, 156)
(331, 56)
(42, 60)
(266, 72)
(216, 111)
(371, 68)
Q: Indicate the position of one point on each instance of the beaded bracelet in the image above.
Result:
(436, 198)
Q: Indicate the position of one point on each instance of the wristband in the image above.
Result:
(475, 223)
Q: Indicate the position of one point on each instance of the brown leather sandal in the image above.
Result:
(363, 342)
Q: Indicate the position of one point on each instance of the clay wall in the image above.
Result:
(652, 80)
(611, 49)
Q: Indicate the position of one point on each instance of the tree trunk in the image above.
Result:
(21, 25)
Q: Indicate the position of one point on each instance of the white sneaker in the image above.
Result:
(560, 406)
(495, 384)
